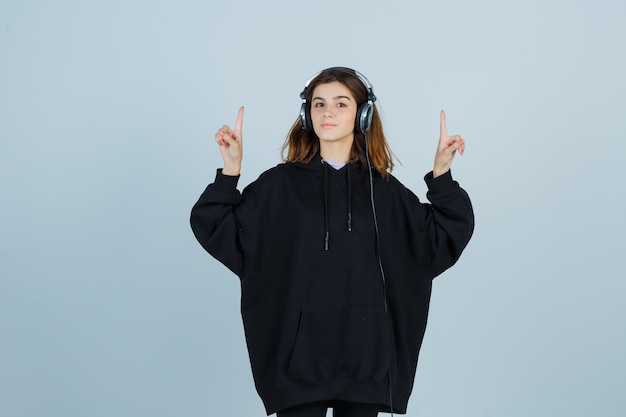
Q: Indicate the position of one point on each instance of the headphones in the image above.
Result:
(364, 112)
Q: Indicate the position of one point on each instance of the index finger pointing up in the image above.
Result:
(239, 122)
(443, 130)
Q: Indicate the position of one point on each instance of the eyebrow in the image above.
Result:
(334, 98)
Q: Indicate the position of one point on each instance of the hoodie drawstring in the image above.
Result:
(326, 203)
(326, 233)
(349, 199)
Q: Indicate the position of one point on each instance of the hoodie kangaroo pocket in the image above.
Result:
(341, 342)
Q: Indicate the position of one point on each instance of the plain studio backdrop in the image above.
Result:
(108, 305)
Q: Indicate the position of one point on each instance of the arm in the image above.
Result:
(215, 224)
(452, 222)
(453, 216)
(213, 218)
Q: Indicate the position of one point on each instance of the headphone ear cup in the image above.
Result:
(365, 112)
(305, 116)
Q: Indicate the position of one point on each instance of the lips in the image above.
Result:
(328, 125)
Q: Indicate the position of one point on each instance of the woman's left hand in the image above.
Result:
(448, 145)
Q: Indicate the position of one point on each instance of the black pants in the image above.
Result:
(340, 409)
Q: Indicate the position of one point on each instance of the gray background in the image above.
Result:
(108, 306)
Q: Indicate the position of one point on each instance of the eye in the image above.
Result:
(342, 105)
(318, 104)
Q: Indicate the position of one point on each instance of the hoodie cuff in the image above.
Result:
(440, 184)
(225, 183)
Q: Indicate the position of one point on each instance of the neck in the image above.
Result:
(337, 152)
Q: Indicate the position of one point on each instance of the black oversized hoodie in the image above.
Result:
(321, 320)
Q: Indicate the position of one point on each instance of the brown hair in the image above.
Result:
(302, 145)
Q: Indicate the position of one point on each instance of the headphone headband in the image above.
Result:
(363, 78)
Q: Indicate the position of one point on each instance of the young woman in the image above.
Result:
(335, 256)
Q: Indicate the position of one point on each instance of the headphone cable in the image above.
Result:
(380, 262)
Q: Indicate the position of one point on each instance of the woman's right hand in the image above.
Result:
(230, 146)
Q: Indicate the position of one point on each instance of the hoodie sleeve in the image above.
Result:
(453, 220)
(215, 224)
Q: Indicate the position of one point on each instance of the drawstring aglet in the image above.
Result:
(349, 222)
(326, 241)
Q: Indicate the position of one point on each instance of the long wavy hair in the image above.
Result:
(302, 145)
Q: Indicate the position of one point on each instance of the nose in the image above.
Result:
(328, 112)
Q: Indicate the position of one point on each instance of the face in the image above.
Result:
(333, 113)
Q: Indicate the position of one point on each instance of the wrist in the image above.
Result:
(231, 171)
(438, 172)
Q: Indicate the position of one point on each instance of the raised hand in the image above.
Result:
(448, 145)
(230, 142)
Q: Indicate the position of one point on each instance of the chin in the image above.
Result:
(333, 138)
